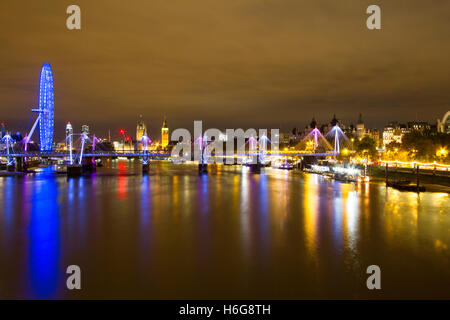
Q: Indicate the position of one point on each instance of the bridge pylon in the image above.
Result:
(203, 163)
(74, 170)
(8, 140)
(145, 141)
(256, 167)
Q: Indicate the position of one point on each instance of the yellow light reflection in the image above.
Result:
(310, 204)
(175, 196)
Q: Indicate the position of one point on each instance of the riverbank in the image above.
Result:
(429, 187)
(437, 182)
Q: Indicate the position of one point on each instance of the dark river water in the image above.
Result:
(229, 234)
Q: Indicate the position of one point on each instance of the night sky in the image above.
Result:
(230, 63)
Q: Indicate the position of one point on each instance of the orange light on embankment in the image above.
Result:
(423, 165)
(442, 152)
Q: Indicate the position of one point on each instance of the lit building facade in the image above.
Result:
(418, 126)
(374, 134)
(141, 129)
(394, 132)
(61, 146)
(124, 146)
(285, 138)
(360, 129)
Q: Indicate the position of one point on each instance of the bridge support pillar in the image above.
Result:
(21, 164)
(202, 168)
(10, 167)
(256, 167)
(74, 170)
(145, 168)
(88, 164)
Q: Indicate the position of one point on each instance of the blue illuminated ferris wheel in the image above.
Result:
(45, 110)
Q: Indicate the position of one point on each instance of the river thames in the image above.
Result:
(174, 234)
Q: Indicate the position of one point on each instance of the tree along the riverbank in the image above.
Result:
(423, 146)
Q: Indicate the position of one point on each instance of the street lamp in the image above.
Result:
(442, 152)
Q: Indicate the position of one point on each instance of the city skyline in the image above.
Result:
(154, 130)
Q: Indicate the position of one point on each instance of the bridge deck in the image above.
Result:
(143, 154)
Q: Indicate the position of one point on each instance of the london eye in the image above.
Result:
(45, 110)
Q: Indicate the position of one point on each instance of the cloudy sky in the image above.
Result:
(230, 63)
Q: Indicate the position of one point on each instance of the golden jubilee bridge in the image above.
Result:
(79, 156)
(160, 155)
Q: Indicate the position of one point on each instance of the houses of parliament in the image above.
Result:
(141, 130)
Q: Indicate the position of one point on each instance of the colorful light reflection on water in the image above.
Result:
(228, 234)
